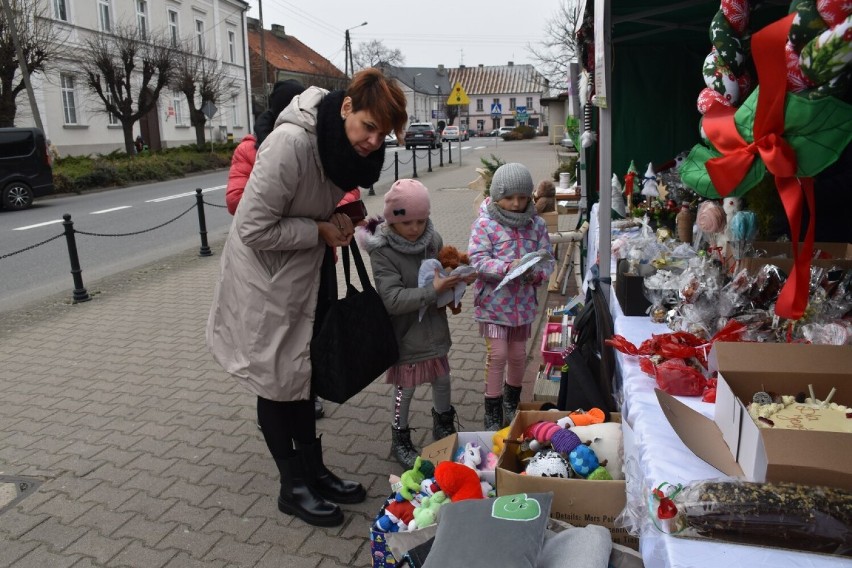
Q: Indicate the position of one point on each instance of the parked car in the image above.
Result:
(25, 167)
(450, 133)
(422, 134)
(493, 133)
(567, 142)
(504, 130)
(390, 140)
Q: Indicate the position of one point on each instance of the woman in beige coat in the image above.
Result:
(270, 294)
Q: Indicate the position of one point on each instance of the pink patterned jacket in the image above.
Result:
(492, 248)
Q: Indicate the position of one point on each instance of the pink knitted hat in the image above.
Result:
(406, 200)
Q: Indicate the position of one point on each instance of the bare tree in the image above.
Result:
(127, 71)
(202, 80)
(558, 47)
(369, 54)
(41, 42)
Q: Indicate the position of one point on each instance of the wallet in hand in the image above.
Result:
(355, 210)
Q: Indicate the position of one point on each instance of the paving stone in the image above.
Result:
(149, 532)
(193, 542)
(100, 548)
(41, 557)
(55, 534)
(13, 550)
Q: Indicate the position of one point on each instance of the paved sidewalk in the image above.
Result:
(144, 453)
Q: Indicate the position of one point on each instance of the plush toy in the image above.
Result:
(582, 418)
(412, 478)
(498, 440)
(451, 258)
(458, 481)
(548, 463)
(607, 442)
(427, 513)
(585, 463)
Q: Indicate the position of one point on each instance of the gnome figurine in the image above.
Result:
(649, 183)
(617, 197)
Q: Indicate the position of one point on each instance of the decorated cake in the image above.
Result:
(808, 415)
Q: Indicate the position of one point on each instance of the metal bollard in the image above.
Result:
(80, 292)
(441, 155)
(371, 191)
(429, 155)
(396, 166)
(449, 151)
(202, 224)
(414, 160)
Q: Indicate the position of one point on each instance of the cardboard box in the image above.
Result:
(630, 291)
(734, 444)
(576, 501)
(445, 449)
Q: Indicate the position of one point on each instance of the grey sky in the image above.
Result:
(428, 33)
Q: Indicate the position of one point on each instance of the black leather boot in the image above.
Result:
(493, 414)
(402, 450)
(299, 499)
(443, 423)
(511, 398)
(326, 483)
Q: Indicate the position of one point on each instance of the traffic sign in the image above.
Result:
(458, 96)
(496, 110)
(209, 109)
(521, 114)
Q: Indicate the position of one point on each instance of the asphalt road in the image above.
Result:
(44, 270)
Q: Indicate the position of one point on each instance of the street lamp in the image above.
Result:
(347, 48)
(414, 93)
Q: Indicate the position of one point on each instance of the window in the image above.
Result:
(478, 105)
(112, 119)
(199, 35)
(512, 105)
(69, 102)
(60, 10)
(174, 37)
(177, 104)
(232, 46)
(529, 104)
(104, 20)
(234, 112)
(142, 18)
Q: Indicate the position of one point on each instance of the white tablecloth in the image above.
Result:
(659, 455)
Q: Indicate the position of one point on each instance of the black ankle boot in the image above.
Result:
(493, 414)
(402, 450)
(443, 423)
(511, 399)
(326, 483)
(299, 499)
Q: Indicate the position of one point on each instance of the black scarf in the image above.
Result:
(340, 161)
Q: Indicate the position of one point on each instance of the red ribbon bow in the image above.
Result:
(728, 170)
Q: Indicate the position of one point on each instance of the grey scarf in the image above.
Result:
(404, 246)
(510, 218)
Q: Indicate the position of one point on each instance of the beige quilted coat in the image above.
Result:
(261, 321)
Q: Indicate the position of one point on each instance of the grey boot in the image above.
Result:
(511, 398)
(401, 447)
(493, 414)
(443, 423)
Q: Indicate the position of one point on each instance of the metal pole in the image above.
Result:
(202, 224)
(429, 157)
(263, 60)
(80, 292)
(372, 191)
(346, 48)
(414, 160)
(396, 166)
(441, 155)
(449, 151)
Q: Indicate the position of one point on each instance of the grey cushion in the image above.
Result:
(503, 531)
(587, 547)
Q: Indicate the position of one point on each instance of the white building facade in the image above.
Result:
(74, 118)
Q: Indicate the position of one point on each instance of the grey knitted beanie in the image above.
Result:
(511, 179)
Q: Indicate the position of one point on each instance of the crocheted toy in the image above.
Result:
(582, 418)
(585, 463)
(548, 463)
(458, 481)
(412, 478)
(451, 258)
(427, 513)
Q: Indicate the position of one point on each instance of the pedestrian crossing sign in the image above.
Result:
(458, 96)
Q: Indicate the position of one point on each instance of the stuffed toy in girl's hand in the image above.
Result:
(450, 262)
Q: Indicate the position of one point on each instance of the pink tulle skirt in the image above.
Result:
(413, 374)
(496, 331)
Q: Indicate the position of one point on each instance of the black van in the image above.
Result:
(25, 169)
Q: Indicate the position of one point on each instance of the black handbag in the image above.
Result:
(355, 342)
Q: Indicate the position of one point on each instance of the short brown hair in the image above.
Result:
(370, 90)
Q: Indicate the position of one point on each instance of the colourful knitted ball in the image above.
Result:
(564, 441)
(548, 463)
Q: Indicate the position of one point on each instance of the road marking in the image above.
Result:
(187, 194)
(38, 225)
(479, 147)
(110, 210)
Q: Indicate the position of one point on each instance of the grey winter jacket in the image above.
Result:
(261, 320)
(395, 276)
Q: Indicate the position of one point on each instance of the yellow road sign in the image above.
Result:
(458, 96)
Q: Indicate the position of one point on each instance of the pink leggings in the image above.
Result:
(503, 354)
